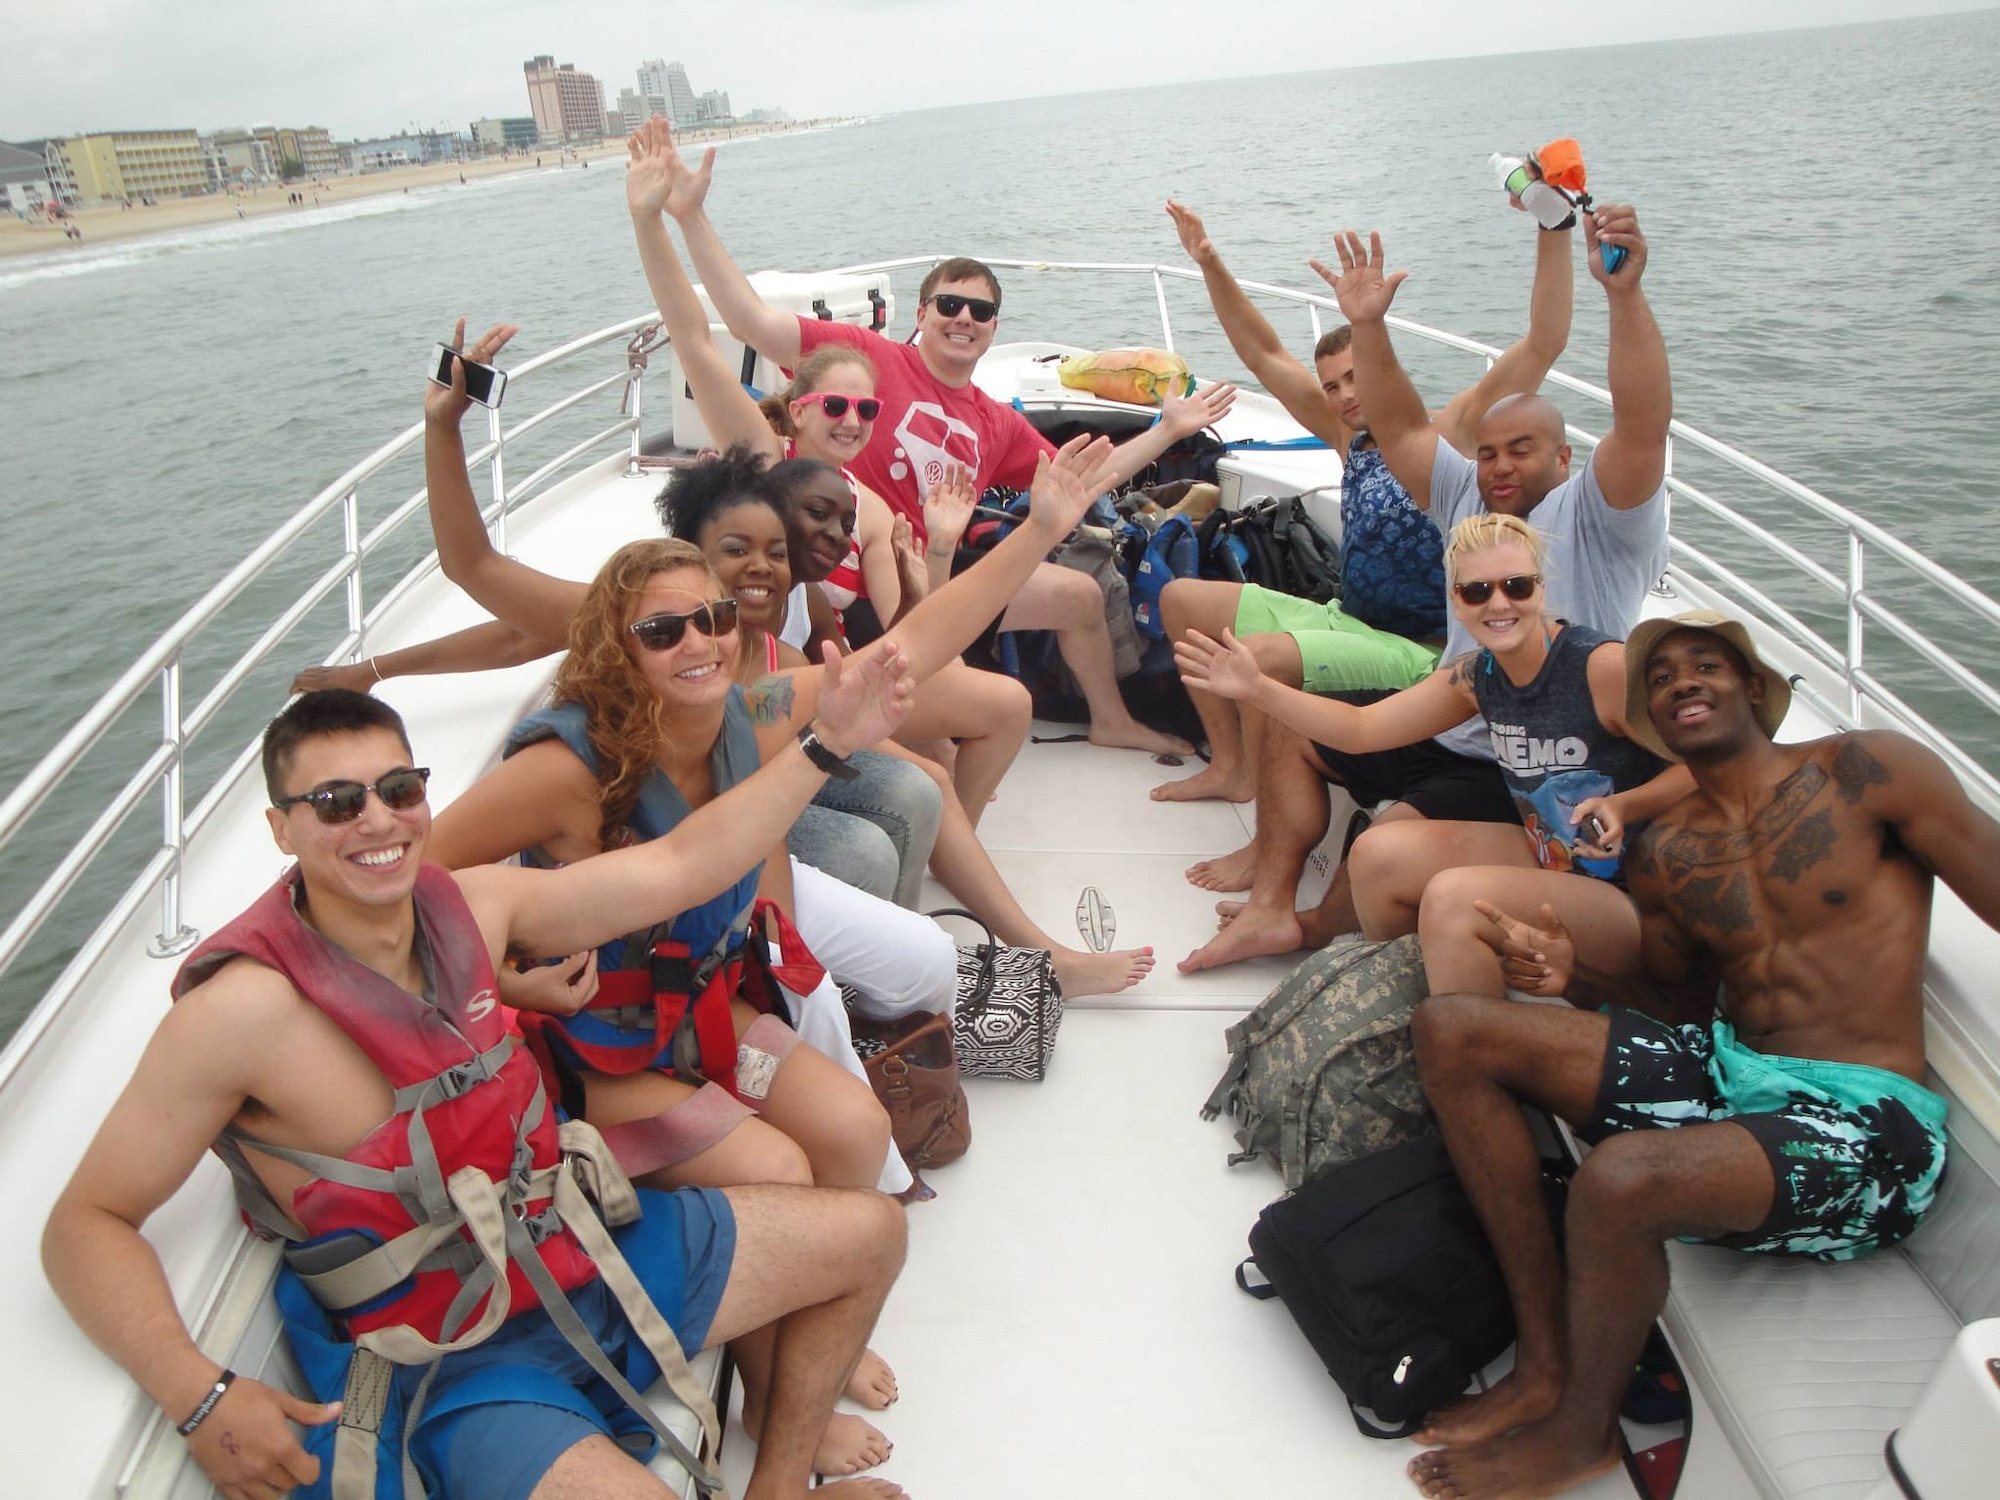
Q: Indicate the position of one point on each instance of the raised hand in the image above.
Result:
(864, 697)
(911, 574)
(1226, 668)
(246, 1444)
(1536, 960)
(559, 989)
(1194, 238)
(658, 179)
(1082, 469)
(1614, 224)
(948, 507)
(449, 405)
(1363, 291)
(1184, 416)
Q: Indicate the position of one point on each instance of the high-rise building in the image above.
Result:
(633, 110)
(129, 164)
(712, 108)
(681, 103)
(567, 105)
(653, 78)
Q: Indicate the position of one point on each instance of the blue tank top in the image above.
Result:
(1391, 556)
(1553, 751)
(660, 809)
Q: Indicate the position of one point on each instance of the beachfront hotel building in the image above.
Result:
(567, 105)
(311, 147)
(510, 133)
(129, 164)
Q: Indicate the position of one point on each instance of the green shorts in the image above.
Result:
(1337, 652)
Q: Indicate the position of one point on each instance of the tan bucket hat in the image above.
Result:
(1646, 634)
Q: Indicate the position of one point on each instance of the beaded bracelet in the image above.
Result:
(207, 1403)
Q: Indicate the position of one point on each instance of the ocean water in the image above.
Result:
(1820, 207)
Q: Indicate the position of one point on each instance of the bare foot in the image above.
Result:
(1132, 735)
(871, 1488)
(1227, 912)
(849, 1446)
(1226, 872)
(1081, 973)
(1207, 785)
(873, 1383)
(357, 675)
(1515, 1400)
(1250, 933)
(1526, 1465)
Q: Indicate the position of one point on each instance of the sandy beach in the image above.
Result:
(107, 222)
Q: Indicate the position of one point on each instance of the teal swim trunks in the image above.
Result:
(1856, 1151)
(1338, 654)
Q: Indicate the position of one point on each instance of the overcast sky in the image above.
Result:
(370, 67)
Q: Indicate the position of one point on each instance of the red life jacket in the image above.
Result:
(465, 1097)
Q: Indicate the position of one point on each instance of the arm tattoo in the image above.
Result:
(1721, 906)
(1807, 844)
(1462, 669)
(769, 700)
(1855, 770)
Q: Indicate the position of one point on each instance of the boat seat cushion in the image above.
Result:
(1809, 1366)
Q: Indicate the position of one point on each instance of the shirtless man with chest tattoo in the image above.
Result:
(1793, 1121)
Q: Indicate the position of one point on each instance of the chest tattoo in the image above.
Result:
(1810, 841)
(1855, 770)
(1719, 903)
(1685, 850)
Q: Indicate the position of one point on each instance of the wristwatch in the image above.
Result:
(817, 752)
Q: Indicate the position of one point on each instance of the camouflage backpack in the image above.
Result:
(1324, 1070)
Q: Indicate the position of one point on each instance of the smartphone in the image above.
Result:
(1591, 828)
(483, 383)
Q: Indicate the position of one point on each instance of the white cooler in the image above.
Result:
(865, 301)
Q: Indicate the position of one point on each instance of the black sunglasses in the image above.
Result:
(1479, 590)
(950, 305)
(342, 801)
(664, 632)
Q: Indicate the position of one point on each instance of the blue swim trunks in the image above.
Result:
(1856, 1151)
(497, 1416)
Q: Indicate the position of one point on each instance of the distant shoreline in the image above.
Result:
(110, 223)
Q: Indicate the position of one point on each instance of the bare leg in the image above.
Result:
(1209, 606)
(1072, 605)
(987, 714)
(1336, 915)
(1292, 809)
(598, 1469)
(1479, 1059)
(1635, 1192)
(964, 868)
(1396, 858)
(1599, 916)
(819, 1264)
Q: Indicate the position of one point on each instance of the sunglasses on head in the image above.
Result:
(865, 407)
(663, 632)
(950, 305)
(342, 801)
(1479, 590)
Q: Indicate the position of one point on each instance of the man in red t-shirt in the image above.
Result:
(936, 418)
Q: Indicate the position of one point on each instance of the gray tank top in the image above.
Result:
(1553, 751)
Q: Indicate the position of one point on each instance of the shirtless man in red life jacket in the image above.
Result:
(346, 1027)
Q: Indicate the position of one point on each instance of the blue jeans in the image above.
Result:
(874, 832)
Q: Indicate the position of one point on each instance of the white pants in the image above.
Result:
(898, 963)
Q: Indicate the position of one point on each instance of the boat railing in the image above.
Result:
(159, 776)
(1857, 691)
(1858, 688)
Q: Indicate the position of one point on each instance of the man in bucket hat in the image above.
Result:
(1791, 1121)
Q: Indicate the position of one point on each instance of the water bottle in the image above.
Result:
(1520, 176)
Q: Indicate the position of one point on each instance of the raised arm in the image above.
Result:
(485, 647)
(1228, 669)
(1521, 369)
(863, 699)
(658, 181)
(1397, 418)
(1180, 417)
(772, 333)
(1255, 341)
(1631, 461)
(874, 529)
(193, 1078)
(532, 601)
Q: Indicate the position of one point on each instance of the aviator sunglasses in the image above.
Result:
(950, 305)
(342, 801)
(1479, 590)
(865, 407)
(663, 632)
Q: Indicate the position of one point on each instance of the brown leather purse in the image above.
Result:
(914, 1071)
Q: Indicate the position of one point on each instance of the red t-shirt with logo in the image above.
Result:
(927, 425)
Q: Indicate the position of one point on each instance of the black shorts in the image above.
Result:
(1441, 784)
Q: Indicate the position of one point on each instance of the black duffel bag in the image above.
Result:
(1386, 1269)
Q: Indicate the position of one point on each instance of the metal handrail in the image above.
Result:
(159, 667)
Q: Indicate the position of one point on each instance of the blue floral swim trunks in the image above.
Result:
(1856, 1151)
